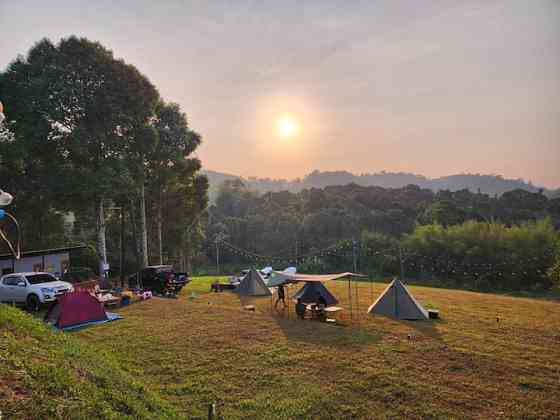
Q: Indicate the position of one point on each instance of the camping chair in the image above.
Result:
(301, 312)
(319, 312)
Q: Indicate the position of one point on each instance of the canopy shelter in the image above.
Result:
(397, 302)
(253, 285)
(77, 309)
(311, 291)
(277, 277)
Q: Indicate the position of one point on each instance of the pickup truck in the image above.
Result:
(159, 279)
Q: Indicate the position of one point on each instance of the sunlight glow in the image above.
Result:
(287, 127)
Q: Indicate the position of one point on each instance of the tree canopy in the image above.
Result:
(90, 132)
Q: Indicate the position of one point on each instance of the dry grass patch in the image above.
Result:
(262, 364)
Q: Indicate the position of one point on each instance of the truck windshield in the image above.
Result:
(39, 278)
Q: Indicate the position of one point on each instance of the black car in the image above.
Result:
(159, 279)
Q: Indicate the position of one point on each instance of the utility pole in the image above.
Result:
(296, 251)
(219, 238)
(402, 262)
(354, 255)
(355, 261)
(121, 257)
(217, 256)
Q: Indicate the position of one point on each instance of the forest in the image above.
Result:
(95, 156)
(89, 146)
(460, 238)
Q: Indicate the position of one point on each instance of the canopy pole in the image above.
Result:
(350, 300)
(357, 302)
(371, 289)
(288, 292)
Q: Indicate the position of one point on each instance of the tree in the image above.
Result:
(78, 112)
(168, 163)
(553, 272)
(446, 213)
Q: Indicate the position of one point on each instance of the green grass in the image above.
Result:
(266, 364)
(48, 374)
(194, 351)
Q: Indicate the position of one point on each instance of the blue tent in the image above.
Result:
(311, 292)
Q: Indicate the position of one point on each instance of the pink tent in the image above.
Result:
(76, 309)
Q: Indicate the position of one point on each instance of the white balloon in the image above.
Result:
(5, 199)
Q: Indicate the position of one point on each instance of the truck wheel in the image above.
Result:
(33, 303)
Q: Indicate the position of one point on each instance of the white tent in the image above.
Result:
(397, 302)
(253, 285)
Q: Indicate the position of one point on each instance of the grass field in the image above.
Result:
(193, 351)
(48, 374)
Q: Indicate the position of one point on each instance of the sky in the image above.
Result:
(428, 87)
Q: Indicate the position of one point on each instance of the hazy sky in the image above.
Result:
(431, 87)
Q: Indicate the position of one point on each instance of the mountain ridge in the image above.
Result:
(491, 184)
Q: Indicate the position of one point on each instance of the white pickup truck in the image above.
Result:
(32, 289)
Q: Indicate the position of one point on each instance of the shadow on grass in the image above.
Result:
(319, 333)
(427, 328)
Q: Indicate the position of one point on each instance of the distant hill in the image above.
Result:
(487, 184)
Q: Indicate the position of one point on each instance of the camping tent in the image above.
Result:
(253, 285)
(312, 290)
(397, 302)
(77, 309)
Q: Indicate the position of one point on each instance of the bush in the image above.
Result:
(554, 271)
(487, 255)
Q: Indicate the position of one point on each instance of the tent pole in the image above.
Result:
(289, 294)
(357, 302)
(371, 288)
(350, 300)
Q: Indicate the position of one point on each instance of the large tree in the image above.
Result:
(78, 113)
(169, 165)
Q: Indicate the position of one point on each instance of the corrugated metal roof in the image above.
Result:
(42, 252)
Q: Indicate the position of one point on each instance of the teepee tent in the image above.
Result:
(253, 285)
(311, 292)
(397, 302)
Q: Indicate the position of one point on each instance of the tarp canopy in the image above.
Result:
(253, 285)
(277, 277)
(397, 302)
(312, 290)
(76, 309)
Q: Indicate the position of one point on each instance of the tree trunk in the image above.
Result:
(188, 254)
(159, 218)
(143, 227)
(134, 223)
(182, 260)
(101, 241)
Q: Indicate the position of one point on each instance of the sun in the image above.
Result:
(287, 126)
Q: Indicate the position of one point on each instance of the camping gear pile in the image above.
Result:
(85, 307)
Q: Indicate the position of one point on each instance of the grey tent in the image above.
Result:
(253, 285)
(312, 290)
(397, 302)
